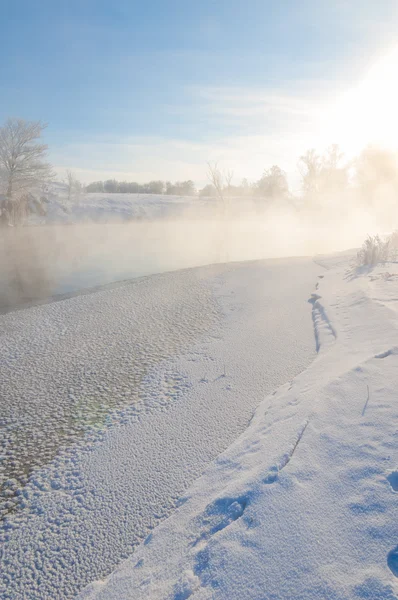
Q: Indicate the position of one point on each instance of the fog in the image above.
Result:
(39, 263)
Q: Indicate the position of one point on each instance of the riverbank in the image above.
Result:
(156, 377)
(304, 504)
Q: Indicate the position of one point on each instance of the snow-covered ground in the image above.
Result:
(116, 401)
(108, 208)
(304, 504)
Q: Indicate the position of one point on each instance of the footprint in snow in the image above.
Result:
(392, 558)
(219, 514)
(392, 561)
(187, 585)
(314, 298)
(392, 479)
(271, 476)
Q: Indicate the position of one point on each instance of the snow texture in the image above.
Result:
(107, 208)
(116, 401)
(303, 505)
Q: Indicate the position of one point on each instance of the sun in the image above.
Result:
(368, 113)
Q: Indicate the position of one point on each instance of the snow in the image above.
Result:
(118, 400)
(303, 505)
(108, 208)
(117, 207)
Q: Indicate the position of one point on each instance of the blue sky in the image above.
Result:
(154, 89)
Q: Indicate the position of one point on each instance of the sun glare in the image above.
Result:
(367, 114)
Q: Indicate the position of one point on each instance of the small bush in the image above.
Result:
(393, 247)
(374, 250)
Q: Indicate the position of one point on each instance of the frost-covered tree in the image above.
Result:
(23, 168)
(95, 186)
(208, 191)
(155, 187)
(324, 177)
(215, 176)
(111, 186)
(216, 179)
(228, 176)
(310, 167)
(74, 187)
(181, 188)
(273, 184)
(335, 171)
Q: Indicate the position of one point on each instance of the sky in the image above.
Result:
(155, 89)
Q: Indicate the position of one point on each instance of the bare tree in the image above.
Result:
(228, 176)
(74, 186)
(70, 181)
(216, 178)
(310, 167)
(324, 176)
(22, 165)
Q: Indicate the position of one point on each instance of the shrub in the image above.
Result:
(374, 250)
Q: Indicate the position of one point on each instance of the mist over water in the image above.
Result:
(39, 262)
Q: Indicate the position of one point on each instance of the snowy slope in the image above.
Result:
(304, 505)
(108, 208)
(118, 400)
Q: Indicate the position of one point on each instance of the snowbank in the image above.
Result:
(304, 504)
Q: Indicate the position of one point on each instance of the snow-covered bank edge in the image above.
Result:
(85, 511)
(303, 505)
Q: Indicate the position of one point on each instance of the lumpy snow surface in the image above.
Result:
(303, 505)
(114, 402)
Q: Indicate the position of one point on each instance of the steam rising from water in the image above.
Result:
(39, 262)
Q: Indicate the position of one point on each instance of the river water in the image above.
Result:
(40, 263)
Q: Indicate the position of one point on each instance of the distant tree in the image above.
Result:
(334, 172)
(155, 187)
(135, 188)
(273, 184)
(188, 188)
(310, 167)
(123, 187)
(181, 188)
(324, 176)
(74, 187)
(169, 188)
(216, 180)
(23, 168)
(209, 190)
(228, 177)
(215, 177)
(95, 187)
(111, 186)
(131, 187)
(246, 188)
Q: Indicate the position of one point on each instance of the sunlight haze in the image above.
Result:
(248, 84)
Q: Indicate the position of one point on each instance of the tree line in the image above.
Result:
(111, 186)
(272, 183)
(326, 178)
